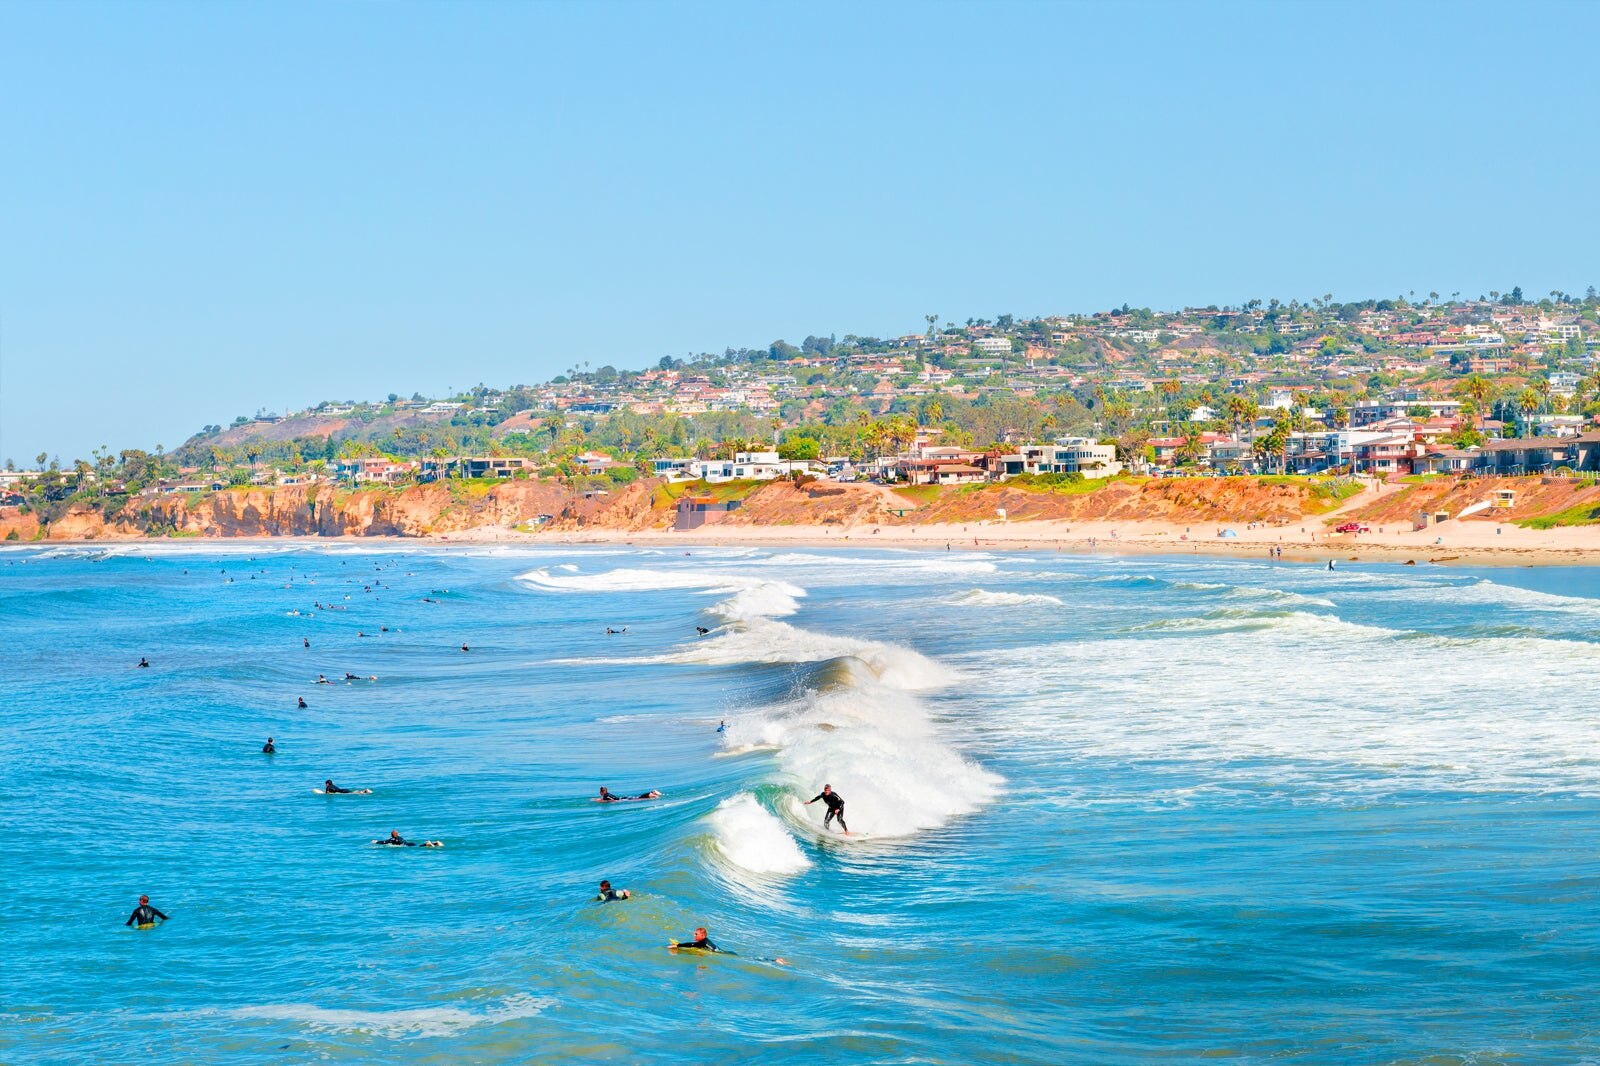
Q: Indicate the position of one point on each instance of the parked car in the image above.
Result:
(1352, 527)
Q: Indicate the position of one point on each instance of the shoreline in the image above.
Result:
(1465, 543)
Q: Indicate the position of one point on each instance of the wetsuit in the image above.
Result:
(399, 843)
(705, 945)
(144, 914)
(835, 804)
(268, 749)
(332, 789)
(610, 895)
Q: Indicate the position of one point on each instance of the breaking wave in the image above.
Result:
(985, 598)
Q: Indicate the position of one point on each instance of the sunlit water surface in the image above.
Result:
(1104, 809)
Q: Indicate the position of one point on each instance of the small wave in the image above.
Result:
(930, 564)
(1288, 623)
(417, 1022)
(985, 598)
(752, 838)
(763, 641)
(750, 597)
(1247, 592)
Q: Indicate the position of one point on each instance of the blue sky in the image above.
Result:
(211, 208)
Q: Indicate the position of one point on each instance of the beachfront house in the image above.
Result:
(1066, 455)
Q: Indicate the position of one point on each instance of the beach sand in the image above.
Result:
(1472, 542)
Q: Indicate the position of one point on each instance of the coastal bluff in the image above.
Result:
(443, 508)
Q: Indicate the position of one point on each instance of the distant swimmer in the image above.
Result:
(398, 841)
(302, 702)
(348, 676)
(144, 664)
(464, 646)
(269, 748)
(723, 728)
(613, 632)
(701, 942)
(144, 916)
(835, 804)
(702, 630)
(332, 789)
(322, 679)
(607, 797)
(611, 895)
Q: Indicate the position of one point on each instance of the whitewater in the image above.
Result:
(1102, 809)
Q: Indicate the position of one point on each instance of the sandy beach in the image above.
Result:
(1470, 542)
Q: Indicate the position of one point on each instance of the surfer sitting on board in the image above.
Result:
(606, 796)
(835, 804)
(144, 915)
(611, 895)
(399, 841)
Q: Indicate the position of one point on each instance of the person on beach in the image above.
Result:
(269, 748)
(144, 916)
(701, 942)
(611, 895)
(606, 796)
(398, 841)
(835, 804)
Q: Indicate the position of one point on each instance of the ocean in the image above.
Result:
(1103, 809)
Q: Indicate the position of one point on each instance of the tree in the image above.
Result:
(800, 447)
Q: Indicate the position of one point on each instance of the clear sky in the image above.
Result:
(209, 208)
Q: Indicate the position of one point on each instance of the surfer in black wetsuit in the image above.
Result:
(607, 797)
(268, 748)
(302, 700)
(396, 840)
(611, 895)
(144, 664)
(701, 942)
(835, 804)
(144, 915)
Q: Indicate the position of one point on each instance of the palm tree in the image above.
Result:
(1527, 403)
(1192, 448)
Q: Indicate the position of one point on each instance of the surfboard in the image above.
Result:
(622, 799)
(352, 792)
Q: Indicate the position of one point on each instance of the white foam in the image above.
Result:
(416, 1022)
(880, 749)
(749, 597)
(762, 641)
(985, 598)
(1316, 703)
(749, 836)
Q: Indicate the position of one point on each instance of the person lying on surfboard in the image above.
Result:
(396, 840)
(334, 790)
(701, 942)
(835, 804)
(611, 895)
(144, 915)
(606, 796)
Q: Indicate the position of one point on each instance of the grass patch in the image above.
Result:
(917, 495)
(667, 494)
(1584, 514)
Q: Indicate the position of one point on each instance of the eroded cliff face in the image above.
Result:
(326, 511)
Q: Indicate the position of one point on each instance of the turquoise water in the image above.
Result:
(1105, 809)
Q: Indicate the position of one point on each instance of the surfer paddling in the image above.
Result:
(835, 804)
(611, 895)
(606, 796)
(398, 841)
(332, 789)
(702, 942)
(144, 916)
